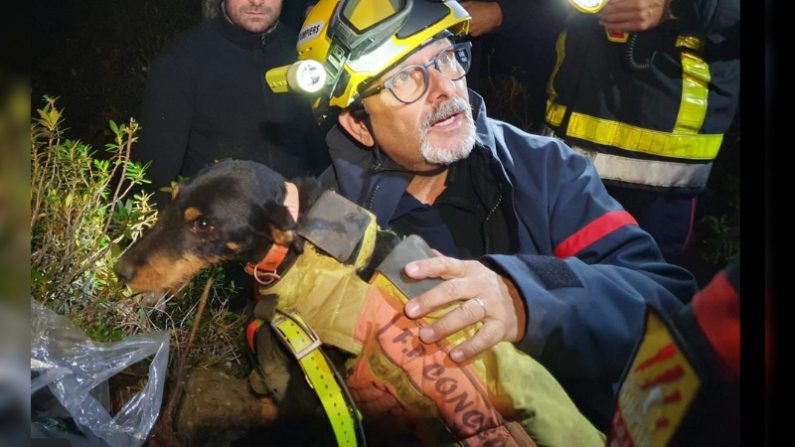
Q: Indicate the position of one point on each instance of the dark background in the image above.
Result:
(94, 56)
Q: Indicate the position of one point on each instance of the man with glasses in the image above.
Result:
(529, 241)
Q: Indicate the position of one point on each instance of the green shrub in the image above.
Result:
(86, 208)
(81, 213)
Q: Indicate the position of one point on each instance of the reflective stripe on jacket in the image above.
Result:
(659, 127)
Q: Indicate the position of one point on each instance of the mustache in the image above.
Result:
(258, 9)
(444, 110)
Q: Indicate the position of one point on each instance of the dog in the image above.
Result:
(233, 211)
(244, 211)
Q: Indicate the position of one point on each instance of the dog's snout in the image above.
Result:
(125, 271)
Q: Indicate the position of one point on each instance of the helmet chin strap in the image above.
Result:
(383, 161)
(387, 163)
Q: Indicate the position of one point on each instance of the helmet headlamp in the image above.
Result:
(353, 41)
(588, 6)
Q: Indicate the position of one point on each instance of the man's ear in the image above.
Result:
(356, 127)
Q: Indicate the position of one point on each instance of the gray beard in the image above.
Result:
(457, 151)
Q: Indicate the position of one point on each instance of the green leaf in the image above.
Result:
(42, 114)
(54, 116)
(113, 126)
(36, 275)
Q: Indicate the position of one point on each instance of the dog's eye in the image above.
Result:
(202, 226)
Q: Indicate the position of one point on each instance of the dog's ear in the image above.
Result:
(287, 237)
(282, 237)
(282, 226)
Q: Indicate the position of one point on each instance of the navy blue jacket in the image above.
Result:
(583, 266)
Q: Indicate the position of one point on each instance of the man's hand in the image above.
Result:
(486, 17)
(487, 297)
(633, 15)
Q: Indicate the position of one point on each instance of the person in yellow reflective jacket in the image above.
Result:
(651, 112)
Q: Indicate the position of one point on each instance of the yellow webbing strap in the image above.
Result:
(695, 86)
(322, 377)
(556, 112)
(691, 42)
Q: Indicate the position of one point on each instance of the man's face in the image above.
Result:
(437, 129)
(256, 16)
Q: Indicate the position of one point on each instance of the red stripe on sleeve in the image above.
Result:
(717, 311)
(594, 231)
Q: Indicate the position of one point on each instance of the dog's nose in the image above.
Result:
(125, 271)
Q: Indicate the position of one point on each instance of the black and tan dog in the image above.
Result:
(235, 211)
(230, 211)
(323, 257)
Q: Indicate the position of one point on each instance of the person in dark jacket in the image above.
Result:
(529, 241)
(206, 99)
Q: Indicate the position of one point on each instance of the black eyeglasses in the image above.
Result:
(410, 83)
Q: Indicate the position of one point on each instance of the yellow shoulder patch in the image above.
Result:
(657, 390)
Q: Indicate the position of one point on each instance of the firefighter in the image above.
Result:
(682, 387)
(646, 89)
(534, 248)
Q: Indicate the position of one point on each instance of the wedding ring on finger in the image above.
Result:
(479, 301)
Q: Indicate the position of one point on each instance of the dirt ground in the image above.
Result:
(216, 410)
